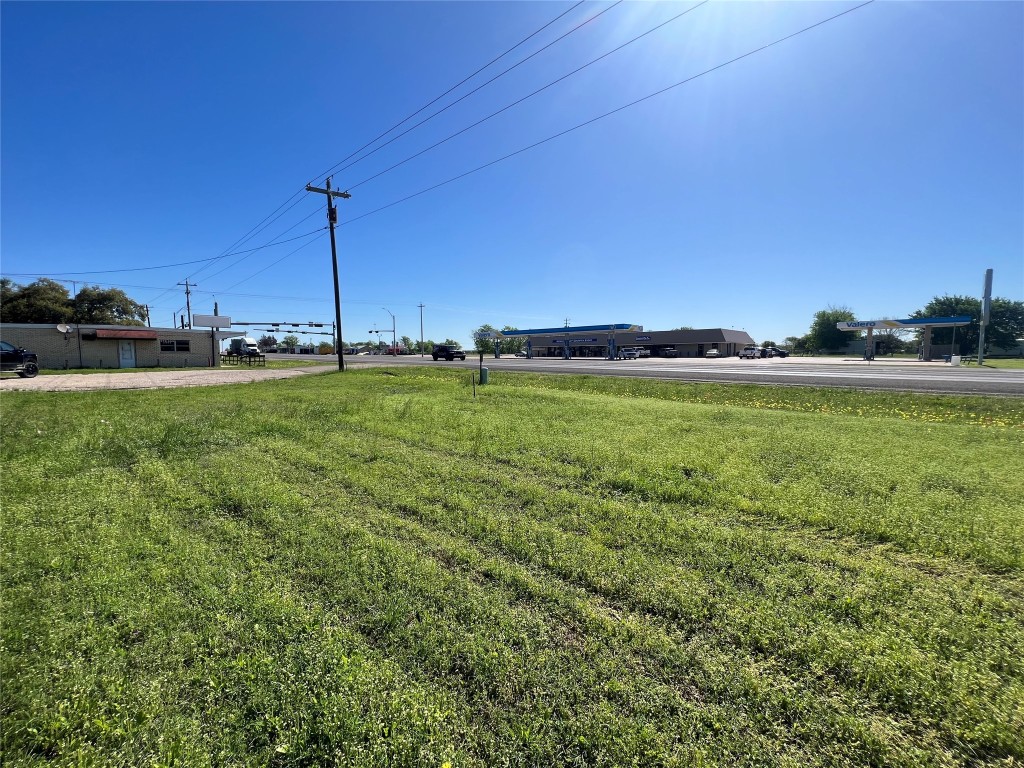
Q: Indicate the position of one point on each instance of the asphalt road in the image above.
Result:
(897, 375)
(906, 376)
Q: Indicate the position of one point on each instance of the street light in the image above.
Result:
(394, 344)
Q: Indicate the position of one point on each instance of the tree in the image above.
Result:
(325, 348)
(266, 342)
(406, 342)
(512, 344)
(106, 306)
(798, 345)
(44, 301)
(769, 344)
(824, 334)
(291, 341)
(891, 340)
(452, 343)
(47, 301)
(483, 345)
(1006, 323)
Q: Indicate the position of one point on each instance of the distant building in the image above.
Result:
(593, 341)
(116, 346)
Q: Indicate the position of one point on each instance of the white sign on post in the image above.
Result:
(211, 321)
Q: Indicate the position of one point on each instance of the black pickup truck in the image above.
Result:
(448, 352)
(17, 360)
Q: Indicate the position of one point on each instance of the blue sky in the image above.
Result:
(874, 161)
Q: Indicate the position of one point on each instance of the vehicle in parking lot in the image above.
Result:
(18, 360)
(750, 352)
(448, 352)
(628, 353)
(669, 352)
(712, 353)
(643, 352)
(521, 353)
(776, 352)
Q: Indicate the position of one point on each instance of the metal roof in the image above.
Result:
(573, 329)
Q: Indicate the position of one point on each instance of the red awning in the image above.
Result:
(134, 333)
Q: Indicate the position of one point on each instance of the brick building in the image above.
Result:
(115, 346)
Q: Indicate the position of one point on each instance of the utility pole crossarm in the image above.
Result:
(332, 218)
(331, 192)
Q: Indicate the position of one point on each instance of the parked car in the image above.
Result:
(521, 354)
(669, 352)
(643, 352)
(18, 360)
(712, 353)
(448, 352)
(776, 352)
(628, 353)
(750, 352)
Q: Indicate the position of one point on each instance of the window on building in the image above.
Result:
(174, 345)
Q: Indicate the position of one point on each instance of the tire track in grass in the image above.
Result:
(900, 698)
(389, 445)
(385, 528)
(457, 652)
(732, 471)
(189, 650)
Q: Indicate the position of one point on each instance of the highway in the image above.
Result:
(896, 375)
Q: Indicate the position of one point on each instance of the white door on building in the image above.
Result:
(126, 353)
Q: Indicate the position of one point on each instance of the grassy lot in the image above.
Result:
(373, 568)
(1014, 363)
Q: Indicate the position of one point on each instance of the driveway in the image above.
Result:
(198, 377)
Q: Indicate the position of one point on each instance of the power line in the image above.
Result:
(606, 114)
(271, 218)
(110, 271)
(483, 85)
(528, 96)
(167, 266)
(256, 230)
(458, 84)
(225, 255)
(259, 228)
(260, 248)
(273, 263)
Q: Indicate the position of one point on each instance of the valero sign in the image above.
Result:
(915, 322)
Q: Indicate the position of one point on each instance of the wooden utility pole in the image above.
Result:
(188, 302)
(421, 329)
(332, 219)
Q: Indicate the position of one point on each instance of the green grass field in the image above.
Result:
(375, 569)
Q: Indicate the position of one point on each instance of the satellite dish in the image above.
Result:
(63, 328)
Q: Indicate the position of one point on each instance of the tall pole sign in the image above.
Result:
(986, 311)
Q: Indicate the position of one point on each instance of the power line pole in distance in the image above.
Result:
(332, 219)
(421, 329)
(188, 302)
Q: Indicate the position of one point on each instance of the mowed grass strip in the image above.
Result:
(375, 569)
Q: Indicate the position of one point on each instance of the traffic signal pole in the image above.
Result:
(332, 219)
